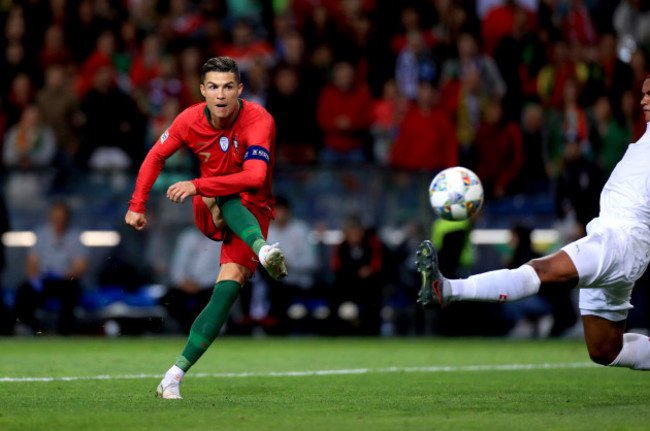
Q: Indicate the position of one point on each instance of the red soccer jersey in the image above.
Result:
(235, 160)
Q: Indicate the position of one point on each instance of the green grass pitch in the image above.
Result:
(273, 384)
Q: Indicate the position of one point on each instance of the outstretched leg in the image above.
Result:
(503, 285)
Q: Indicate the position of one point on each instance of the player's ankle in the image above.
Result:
(263, 252)
(446, 290)
(175, 373)
(258, 245)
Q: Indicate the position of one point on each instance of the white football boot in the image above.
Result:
(169, 387)
(272, 260)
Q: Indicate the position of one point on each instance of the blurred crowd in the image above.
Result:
(494, 85)
(536, 96)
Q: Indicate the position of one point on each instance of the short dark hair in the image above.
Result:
(221, 64)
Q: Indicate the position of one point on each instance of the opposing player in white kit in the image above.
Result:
(605, 264)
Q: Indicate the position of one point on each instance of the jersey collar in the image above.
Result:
(206, 111)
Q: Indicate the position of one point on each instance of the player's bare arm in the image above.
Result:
(137, 220)
(180, 191)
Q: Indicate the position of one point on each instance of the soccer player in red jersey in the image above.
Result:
(234, 140)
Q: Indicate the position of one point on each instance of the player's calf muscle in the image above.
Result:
(603, 337)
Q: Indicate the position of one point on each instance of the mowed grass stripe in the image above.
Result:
(439, 369)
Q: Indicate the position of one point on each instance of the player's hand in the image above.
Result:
(137, 220)
(180, 191)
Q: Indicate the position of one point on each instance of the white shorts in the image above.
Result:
(609, 260)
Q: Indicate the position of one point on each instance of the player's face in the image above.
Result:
(645, 100)
(221, 92)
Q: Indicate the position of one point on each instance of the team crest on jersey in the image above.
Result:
(235, 143)
(224, 143)
(164, 136)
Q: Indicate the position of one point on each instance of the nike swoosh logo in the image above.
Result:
(254, 260)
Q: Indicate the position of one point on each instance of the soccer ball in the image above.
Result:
(456, 194)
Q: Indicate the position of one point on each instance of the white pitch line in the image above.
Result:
(444, 369)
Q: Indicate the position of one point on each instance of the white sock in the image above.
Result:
(174, 373)
(635, 353)
(503, 285)
(265, 250)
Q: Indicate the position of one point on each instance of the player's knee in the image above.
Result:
(541, 268)
(234, 272)
(556, 268)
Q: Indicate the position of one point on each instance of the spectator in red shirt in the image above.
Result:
(186, 21)
(386, 115)
(426, 140)
(498, 23)
(344, 116)
(146, 64)
(577, 24)
(167, 84)
(410, 20)
(500, 150)
(54, 49)
(189, 62)
(101, 57)
(246, 47)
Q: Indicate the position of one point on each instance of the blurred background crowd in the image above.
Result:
(371, 98)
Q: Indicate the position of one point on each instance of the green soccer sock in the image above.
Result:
(241, 221)
(208, 324)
